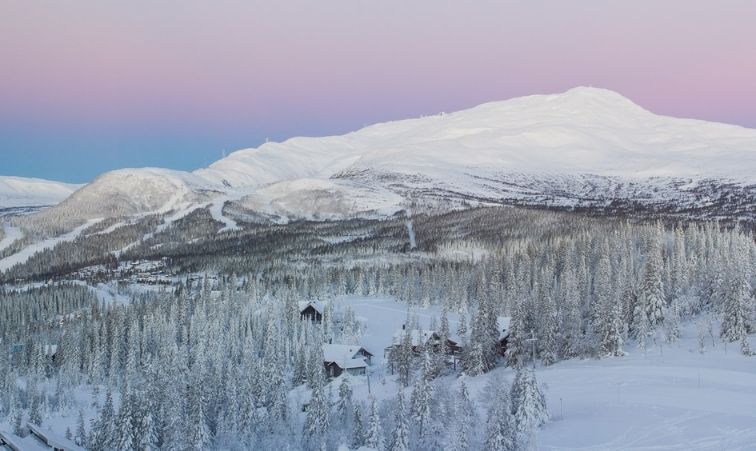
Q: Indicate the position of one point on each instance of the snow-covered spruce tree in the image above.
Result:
(653, 289)
(570, 319)
(344, 405)
(422, 393)
(465, 415)
(316, 422)
(439, 357)
(612, 330)
(374, 432)
(516, 346)
(103, 435)
(358, 431)
(548, 328)
(80, 437)
(404, 358)
(736, 301)
(127, 416)
(672, 320)
(641, 326)
(528, 401)
(200, 437)
(501, 431)
(400, 435)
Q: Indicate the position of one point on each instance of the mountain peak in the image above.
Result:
(589, 96)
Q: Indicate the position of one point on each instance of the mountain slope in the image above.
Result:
(586, 147)
(30, 192)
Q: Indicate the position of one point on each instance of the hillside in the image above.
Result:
(18, 192)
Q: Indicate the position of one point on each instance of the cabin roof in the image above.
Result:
(337, 352)
(319, 306)
(417, 336)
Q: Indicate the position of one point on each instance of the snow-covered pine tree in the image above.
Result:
(528, 401)
(103, 435)
(316, 422)
(653, 288)
(404, 358)
(548, 327)
(374, 431)
(80, 437)
(400, 435)
(465, 419)
(358, 431)
(344, 405)
(422, 393)
(516, 346)
(501, 431)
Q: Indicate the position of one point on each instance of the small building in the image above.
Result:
(311, 310)
(421, 338)
(37, 438)
(353, 367)
(351, 359)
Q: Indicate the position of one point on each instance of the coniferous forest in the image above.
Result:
(205, 346)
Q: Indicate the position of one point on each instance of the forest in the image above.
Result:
(222, 359)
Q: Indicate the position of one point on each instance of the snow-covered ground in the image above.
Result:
(668, 398)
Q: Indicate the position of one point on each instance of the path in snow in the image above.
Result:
(23, 255)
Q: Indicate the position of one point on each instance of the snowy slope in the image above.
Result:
(29, 192)
(584, 147)
(670, 397)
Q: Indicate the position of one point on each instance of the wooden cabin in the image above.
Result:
(311, 311)
(353, 359)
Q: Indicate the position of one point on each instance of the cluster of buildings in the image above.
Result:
(354, 360)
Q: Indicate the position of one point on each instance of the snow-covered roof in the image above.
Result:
(344, 356)
(319, 306)
(337, 352)
(25, 444)
(52, 439)
(417, 336)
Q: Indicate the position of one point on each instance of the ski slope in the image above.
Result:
(23, 255)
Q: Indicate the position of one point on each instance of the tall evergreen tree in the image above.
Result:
(400, 436)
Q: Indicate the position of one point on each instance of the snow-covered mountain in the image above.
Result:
(586, 147)
(18, 192)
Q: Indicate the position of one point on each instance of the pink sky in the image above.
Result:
(282, 68)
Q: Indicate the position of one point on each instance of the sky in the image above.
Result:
(88, 86)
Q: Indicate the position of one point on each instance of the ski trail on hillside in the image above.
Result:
(26, 253)
(12, 234)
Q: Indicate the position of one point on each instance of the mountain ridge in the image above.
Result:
(472, 154)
